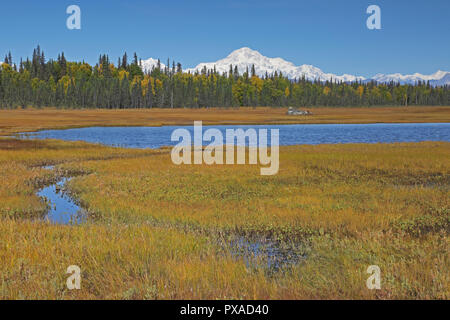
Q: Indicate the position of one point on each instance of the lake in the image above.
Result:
(155, 137)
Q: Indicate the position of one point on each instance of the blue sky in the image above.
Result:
(329, 34)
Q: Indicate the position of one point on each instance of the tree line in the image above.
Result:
(66, 84)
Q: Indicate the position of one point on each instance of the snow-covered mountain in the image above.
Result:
(437, 78)
(245, 58)
(445, 80)
(148, 64)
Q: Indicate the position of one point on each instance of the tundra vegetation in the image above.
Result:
(161, 231)
(31, 119)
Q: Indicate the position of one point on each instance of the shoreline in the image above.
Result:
(33, 120)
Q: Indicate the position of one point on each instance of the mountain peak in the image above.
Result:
(149, 64)
(244, 58)
(245, 52)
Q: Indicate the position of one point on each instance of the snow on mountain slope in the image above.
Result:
(445, 80)
(148, 64)
(244, 58)
(412, 78)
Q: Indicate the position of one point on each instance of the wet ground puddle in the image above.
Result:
(264, 253)
(62, 209)
(257, 253)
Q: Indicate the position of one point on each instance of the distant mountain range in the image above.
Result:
(245, 57)
(438, 78)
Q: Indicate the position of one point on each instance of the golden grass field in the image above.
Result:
(12, 121)
(157, 230)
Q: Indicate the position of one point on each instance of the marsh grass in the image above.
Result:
(161, 231)
(18, 120)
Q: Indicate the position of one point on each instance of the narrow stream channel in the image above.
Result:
(62, 208)
(256, 253)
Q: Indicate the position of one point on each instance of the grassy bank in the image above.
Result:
(13, 121)
(154, 227)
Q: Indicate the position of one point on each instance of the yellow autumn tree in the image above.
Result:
(65, 80)
(123, 74)
(144, 84)
(360, 91)
(159, 84)
(286, 92)
(257, 82)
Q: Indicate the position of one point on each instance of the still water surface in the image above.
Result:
(155, 137)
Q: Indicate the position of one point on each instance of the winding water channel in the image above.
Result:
(64, 210)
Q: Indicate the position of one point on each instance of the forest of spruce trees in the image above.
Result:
(63, 84)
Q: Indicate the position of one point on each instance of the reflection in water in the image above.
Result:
(155, 137)
(257, 253)
(264, 253)
(62, 208)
